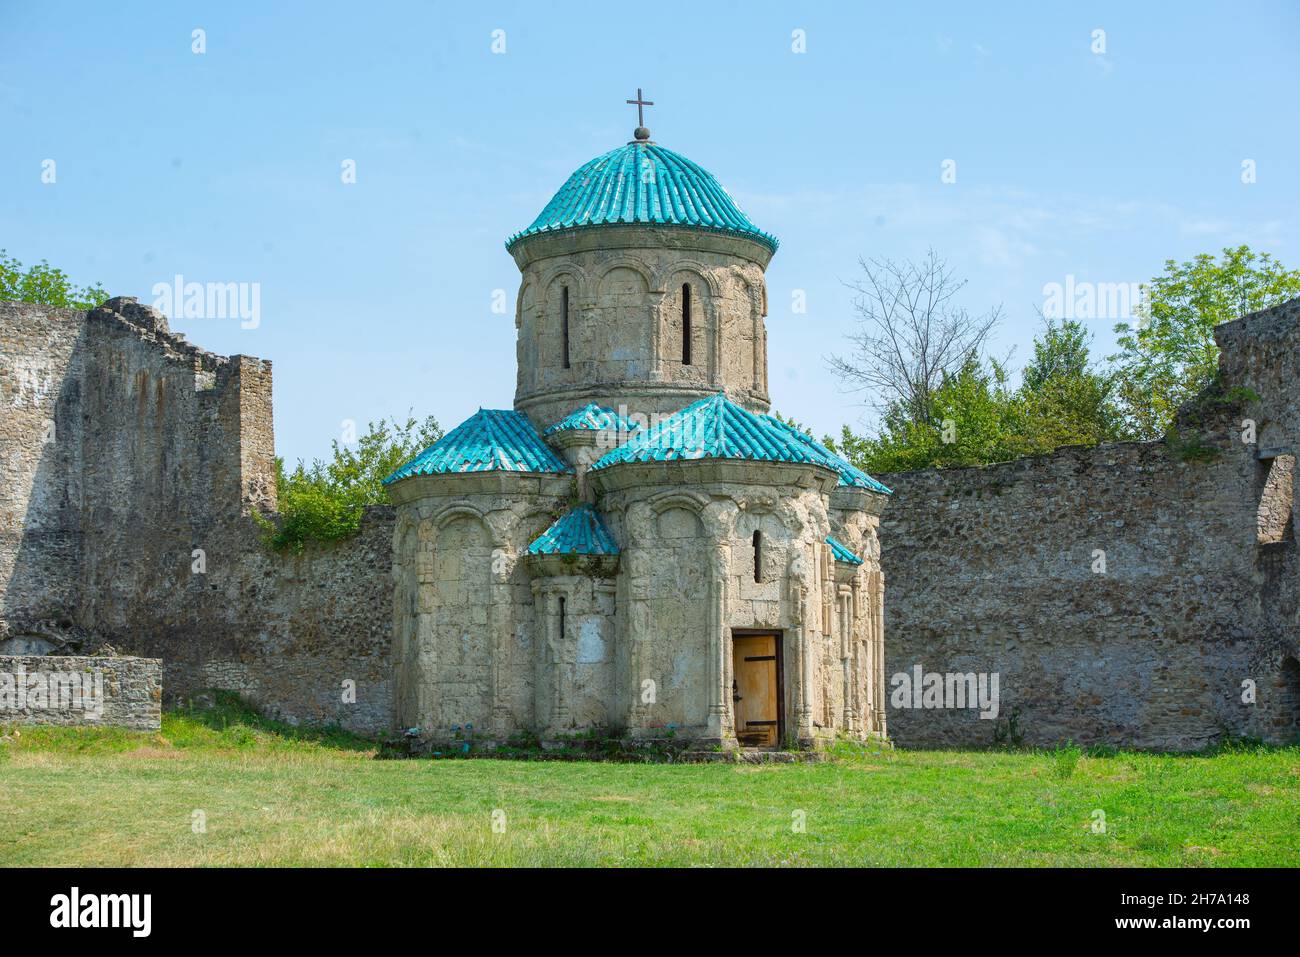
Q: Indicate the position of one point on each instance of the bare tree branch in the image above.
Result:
(910, 333)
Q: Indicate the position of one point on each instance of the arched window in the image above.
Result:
(758, 556)
(686, 324)
(564, 322)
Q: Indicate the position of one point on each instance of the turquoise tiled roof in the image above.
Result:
(841, 553)
(644, 183)
(579, 531)
(850, 474)
(490, 440)
(592, 416)
(712, 428)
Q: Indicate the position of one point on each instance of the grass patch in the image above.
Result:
(272, 794)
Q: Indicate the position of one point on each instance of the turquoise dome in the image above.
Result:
(644, 183)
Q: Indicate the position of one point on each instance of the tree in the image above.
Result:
(977, 418)
(1169, 355)
(1068, 401)
(44, 284)
(325, 501)
(973, 421)
(911, 335)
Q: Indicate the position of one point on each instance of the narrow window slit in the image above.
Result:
(686, 324)
(758, 556)
(564, 321)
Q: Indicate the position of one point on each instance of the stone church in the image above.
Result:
(638, 544)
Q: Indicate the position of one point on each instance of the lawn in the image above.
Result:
(225, 788)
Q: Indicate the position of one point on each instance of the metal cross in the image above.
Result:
(639, 103)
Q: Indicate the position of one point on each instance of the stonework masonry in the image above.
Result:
(624, 288)
(86, 690)
(1124, 595)
(133, 464)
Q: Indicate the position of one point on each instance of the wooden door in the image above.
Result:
(756, 691)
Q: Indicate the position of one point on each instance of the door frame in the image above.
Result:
(779, 635)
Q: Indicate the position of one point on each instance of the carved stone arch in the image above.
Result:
(638, 266)
(795, 517)
(707, 317)
(525, 288)
(407, 523)
(534, 521)
(678, 498)
(708, 276)
(465, 510)
(581, 280)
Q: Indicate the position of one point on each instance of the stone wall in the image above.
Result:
(135, 462)
(83, 690)
(1122, 594)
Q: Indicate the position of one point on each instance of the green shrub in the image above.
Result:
(324, 502)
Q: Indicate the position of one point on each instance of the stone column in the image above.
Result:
(846, 656)
(863, 683)
(808, 600)
(878, 671)
(657, 341)
(500, 621)
(633, 613)
(719, 718)
(713, 316)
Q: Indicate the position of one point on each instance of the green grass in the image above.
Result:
(274, 795)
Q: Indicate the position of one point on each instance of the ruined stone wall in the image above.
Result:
(41, 358)
(1122, 594)
(95, 691)
(134, 462)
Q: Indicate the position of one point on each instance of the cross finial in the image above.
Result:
(640, 103)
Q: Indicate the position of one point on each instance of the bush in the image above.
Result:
(324, 502)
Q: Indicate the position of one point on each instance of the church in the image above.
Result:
(638, 547)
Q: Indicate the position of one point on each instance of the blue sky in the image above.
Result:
(376, 296)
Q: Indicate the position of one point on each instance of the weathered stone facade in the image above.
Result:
(1122, 593)
(85, 690)
(133, 462)
(490, 637)
(624, 289)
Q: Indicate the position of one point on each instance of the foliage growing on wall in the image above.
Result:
(1169, 355)
(324, 501)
